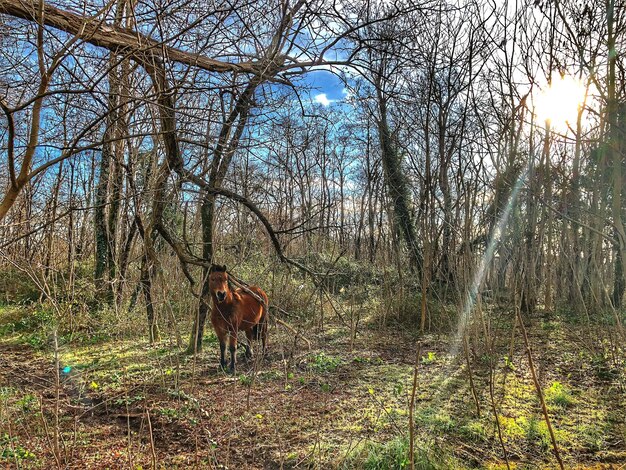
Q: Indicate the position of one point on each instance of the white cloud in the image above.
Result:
(322, 99)
(348, 94)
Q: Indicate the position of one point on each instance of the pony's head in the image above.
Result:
(218, 282)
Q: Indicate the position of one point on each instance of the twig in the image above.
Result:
(296, 333)
(471, 375)
(47, 433)
(57, 396)
(154, 458)
(494, 409)
(411, 406)
(544, 409)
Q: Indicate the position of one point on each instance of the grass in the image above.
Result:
(559, 395)
(331, 407)
(394, 454)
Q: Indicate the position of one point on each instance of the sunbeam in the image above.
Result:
(496, 236)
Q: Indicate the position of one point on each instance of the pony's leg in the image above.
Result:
(233, 351)
(248, 345)
(223, 338)
(222, 354)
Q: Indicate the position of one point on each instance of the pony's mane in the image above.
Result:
(217, 268)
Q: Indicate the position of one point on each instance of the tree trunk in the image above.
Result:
(104, 230)
(146, 288)
(397, 187)
(207, 212)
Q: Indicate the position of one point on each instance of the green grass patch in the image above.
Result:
(323, 362)
(429, 358)
(12, 451)
(434, 419)
(394, 454)
(559, 395)
(245, 380)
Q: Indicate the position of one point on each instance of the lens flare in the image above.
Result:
(472, 293)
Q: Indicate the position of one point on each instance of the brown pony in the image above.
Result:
(235, 310)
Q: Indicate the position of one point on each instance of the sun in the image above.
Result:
(558, 104)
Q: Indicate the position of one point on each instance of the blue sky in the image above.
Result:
(326, 87)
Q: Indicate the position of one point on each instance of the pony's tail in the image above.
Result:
(256, 330)
(259, 331)
(260, 328)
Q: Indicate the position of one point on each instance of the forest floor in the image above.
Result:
(339, 404)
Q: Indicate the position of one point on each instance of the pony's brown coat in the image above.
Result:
(236, 310)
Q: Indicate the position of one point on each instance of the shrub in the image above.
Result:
(17, 287)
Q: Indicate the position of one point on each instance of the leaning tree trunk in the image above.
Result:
(397, 187)
(227, 144)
